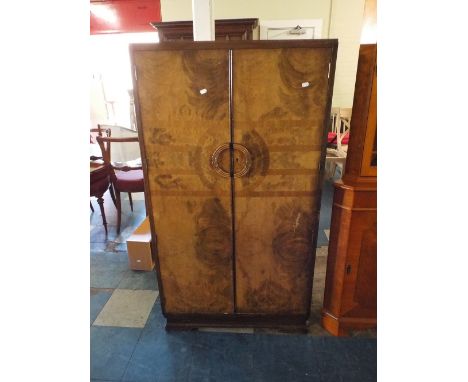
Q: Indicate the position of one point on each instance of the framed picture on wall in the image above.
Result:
(295, 29)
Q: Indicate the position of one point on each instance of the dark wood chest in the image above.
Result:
(227, 29)
(233, 144)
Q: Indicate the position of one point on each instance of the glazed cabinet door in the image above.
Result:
(369, 155)
(280, 105)
(184, 113)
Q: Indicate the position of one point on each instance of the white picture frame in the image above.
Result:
(295, 29)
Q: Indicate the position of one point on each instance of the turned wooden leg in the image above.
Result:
(111, 191)
(91, 205)
(119, 210)
(103, 214)
(131, 201)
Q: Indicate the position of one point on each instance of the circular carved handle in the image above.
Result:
(238, 149)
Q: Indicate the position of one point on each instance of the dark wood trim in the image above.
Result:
(233, 186)
(246, 22)
(224, 29)
(193, 321)
(185, 23)
(245, 44)
(120, 139)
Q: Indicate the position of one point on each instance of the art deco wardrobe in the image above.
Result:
(233, 144)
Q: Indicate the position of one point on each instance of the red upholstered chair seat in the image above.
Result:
(129, 181)
(125, 176)
(332, 138)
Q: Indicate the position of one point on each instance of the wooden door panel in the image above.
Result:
(183, 103)
(360, 282)
(274, 253)
(279, 104)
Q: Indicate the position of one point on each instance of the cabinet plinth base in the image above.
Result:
(343, 325)
(284, 323)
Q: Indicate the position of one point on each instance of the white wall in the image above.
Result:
(369, 23)
(342, 19)
(346, 23)
(98, 111)
(176, 10)
(111, 76)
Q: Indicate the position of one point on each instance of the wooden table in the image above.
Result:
(99, 183)
(95, 166)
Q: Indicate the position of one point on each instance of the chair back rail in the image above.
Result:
(129, 183)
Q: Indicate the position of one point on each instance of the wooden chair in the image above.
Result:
(124, 177)
(99, 176)
(94, 133)
(99, 184)
(108, 129)
(338, 138)
(98, 132)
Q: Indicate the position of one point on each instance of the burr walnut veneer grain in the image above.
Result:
(233, 143)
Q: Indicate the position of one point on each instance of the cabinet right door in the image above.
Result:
(279, 112)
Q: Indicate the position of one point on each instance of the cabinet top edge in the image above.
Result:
(242, 44)
(157, 24)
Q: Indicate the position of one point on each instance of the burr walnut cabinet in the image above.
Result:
(233, 145)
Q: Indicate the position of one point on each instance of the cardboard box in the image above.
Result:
(139, 248)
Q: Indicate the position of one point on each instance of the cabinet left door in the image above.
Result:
(183, 101)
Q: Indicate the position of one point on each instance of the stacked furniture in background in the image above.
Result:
(227, 29)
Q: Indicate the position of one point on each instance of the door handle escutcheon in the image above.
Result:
(236, 147)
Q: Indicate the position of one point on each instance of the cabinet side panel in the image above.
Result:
(183, 101)
(279, 102)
